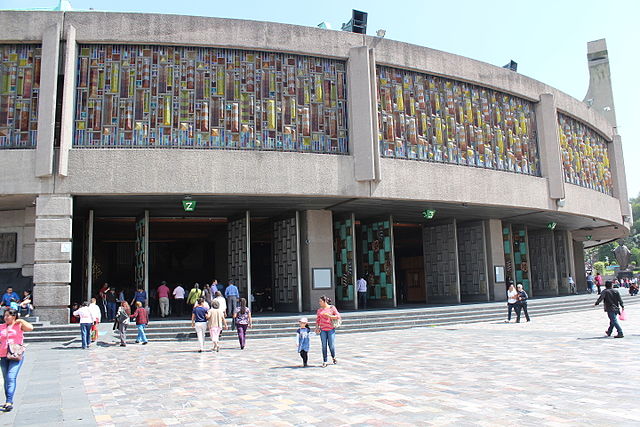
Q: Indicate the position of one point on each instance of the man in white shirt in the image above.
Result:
(361, 286)
(222, 303)
(97, 318)
(86, 321)
(178, 295)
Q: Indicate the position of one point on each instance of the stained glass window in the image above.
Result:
(19, 86)
(585, 159)
(424, 117)
(162, 96)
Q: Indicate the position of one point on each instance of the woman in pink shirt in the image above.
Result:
(11, 332)
(325, 316)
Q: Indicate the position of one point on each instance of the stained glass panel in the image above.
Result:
(585, 159)
(423, 117)
(19, 87)
(162, 96)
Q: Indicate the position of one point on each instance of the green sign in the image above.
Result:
(189, 205)
(588, 237)
(429, 213)
(551, 226)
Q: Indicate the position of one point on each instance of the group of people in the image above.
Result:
(11, 300)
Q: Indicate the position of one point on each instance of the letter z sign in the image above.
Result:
(189, 205)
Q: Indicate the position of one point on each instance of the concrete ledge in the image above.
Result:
(52, 295)
(57, 316)
(51, 273)
(60, 205)
(53, 228)
(50, 251)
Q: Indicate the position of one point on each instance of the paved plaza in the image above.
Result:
(556, 370)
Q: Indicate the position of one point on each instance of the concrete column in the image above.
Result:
(549, 145)
(68, 96)
(28, 241)
(47, 101)
(619, 176)
(52, 257)
(316, 241)
(578, 265)
(571, 259)
(495, 257)
(363, 127)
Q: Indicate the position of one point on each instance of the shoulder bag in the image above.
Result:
(15, 351)
(337, 322)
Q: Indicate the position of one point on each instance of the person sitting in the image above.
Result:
(26, 305)
(633, 289)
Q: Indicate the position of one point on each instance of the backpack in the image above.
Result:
(122, 316)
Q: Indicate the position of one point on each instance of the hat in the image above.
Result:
(303, 320)
(215, 305)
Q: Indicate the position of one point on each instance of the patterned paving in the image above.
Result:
(556, 370)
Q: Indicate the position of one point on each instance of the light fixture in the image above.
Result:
(560, 203)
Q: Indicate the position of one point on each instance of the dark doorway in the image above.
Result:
(261, 264)
(409, 263)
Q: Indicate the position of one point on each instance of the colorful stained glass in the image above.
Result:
(423, 117)
(377, 265)
(19, 88)
(163, 96)
(344, 259)
(585, 158)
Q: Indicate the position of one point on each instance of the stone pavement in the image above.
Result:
(556, 370)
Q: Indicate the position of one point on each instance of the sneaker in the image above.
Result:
(619, 336)
(324, 364)
(145, 343)
(607, 333)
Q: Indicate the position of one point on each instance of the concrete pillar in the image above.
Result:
(47, 101)
(363, 115)
(68, 97)
(52, 257)
(571, 259)
(578, 265)
(600, 94)
(28, 241)
(549, 145)
(619, 176)
(316, 247)
(495, 258)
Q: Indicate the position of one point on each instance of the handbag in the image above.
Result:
(623, 315)
(15, 351)
(337, 322)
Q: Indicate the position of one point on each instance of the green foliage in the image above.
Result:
(599, 267)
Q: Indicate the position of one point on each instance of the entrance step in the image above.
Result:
(352, 322)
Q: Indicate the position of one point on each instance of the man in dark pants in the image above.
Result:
(612, 305)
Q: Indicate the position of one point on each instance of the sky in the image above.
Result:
(547, 38)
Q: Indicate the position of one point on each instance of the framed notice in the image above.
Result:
(499, 273)
(321, 278)
(8, 247)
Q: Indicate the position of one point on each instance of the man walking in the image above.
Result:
(178, 295)
(232, 295)
(163, 298)
(590, 283)
(361, 286)
(612, 305)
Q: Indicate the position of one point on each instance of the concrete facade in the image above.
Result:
(371, 184)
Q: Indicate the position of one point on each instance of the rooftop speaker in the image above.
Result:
(358, 22)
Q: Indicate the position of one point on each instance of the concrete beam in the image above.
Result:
(47, 100)
(362, 141)
(549, 145)
(68, 97)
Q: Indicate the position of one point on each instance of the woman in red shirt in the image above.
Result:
(325, 316)
(11, 332)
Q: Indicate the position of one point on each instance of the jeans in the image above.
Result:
(142, 337)
(511, 308)
(164, 306)
(242, 334)
(10, 369)
(519, 308)
(111, 310)
(85, 334)
(328, 337)
(122, 332)
(613, 323)
(362, 300)
(201, 330)
(214, 333)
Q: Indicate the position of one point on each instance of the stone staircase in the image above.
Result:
(269, 326)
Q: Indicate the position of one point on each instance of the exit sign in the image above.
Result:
(189, 205)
